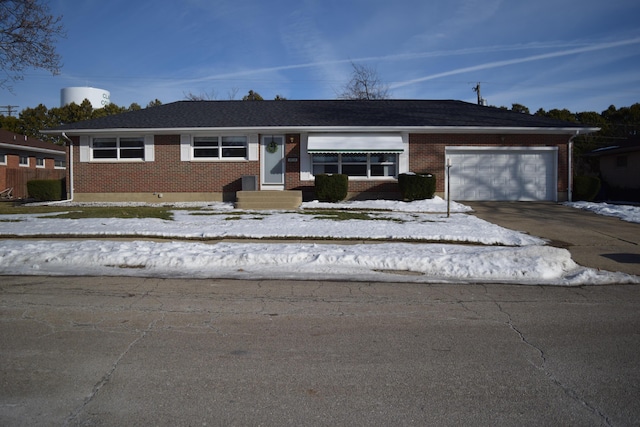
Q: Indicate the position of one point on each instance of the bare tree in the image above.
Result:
(204, 96)
(364, 84)
(28, 33)
(231, 95)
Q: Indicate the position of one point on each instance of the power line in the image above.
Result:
(8, 109)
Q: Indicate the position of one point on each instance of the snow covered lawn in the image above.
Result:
(414, 242)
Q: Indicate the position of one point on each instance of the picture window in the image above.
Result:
(357, 165)
(115, 148)
(219, 147)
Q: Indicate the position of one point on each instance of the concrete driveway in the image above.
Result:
(594, 240)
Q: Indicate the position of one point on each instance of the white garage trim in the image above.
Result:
(503, 173)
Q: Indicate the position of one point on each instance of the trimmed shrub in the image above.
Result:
(331, 188)
(417, 186)
(585, 188)
(46, 190)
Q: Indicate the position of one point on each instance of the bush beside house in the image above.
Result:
(586, 187)
(331, 188)
(417, 186)
(46, 190)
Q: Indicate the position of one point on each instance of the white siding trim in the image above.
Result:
(149, 148)
(403, 158)
(185, 148)
(305, 159)
(85, 151)
(253, 147)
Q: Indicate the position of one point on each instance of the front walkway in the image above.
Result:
(594, 241)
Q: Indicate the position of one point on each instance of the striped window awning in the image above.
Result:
(355, 143)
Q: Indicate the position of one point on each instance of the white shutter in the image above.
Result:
(185, 148)
(253, 147)
(305, 159)
(85, 151)
(149, 151)
(403, 158)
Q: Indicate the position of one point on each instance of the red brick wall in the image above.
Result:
(166, 174)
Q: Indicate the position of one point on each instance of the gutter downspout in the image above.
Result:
(70, 199)
(570, 167)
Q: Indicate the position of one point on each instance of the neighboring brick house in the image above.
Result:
(619, 168)
(201, 150)
(23, 159)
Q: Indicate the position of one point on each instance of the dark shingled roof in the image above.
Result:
(320, 113)
(19, 140)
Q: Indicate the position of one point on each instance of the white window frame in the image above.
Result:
(217, 143)
(62, 161)
(369, 177)
(117, 139)
(38, 165)
(21, 164)
(3, 159)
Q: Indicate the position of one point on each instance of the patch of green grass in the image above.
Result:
(119, 212)
(346, 215)
(9, 209)
(203, 213)
(77, 212)
(338, 215)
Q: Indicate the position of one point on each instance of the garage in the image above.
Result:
(503, 173)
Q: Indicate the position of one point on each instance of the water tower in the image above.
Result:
(97, 97)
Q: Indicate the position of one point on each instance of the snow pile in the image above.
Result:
(403, 262)
(624, 212)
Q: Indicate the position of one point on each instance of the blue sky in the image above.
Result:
(583, 55)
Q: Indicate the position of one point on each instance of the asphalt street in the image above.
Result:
(130, 351)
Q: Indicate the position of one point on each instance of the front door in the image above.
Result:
(272, 165)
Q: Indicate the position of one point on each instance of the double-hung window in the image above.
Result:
(219, 147)
(357, 165)
(118, 148)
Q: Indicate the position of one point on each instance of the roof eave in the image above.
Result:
(32, 149)
(305, 129)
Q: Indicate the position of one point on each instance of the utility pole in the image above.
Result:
(476, 89)
(8, 109)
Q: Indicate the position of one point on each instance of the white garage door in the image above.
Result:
(522, 173)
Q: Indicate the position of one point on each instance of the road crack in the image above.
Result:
(107, 376)
(543, 367)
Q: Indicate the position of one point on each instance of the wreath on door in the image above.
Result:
(272, 147)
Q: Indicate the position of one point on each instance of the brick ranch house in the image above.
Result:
(23, 159)
(206, 150)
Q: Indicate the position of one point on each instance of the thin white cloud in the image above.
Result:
(385, 58)
(496, 64)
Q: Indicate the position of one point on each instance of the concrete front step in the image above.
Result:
(268, 199)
